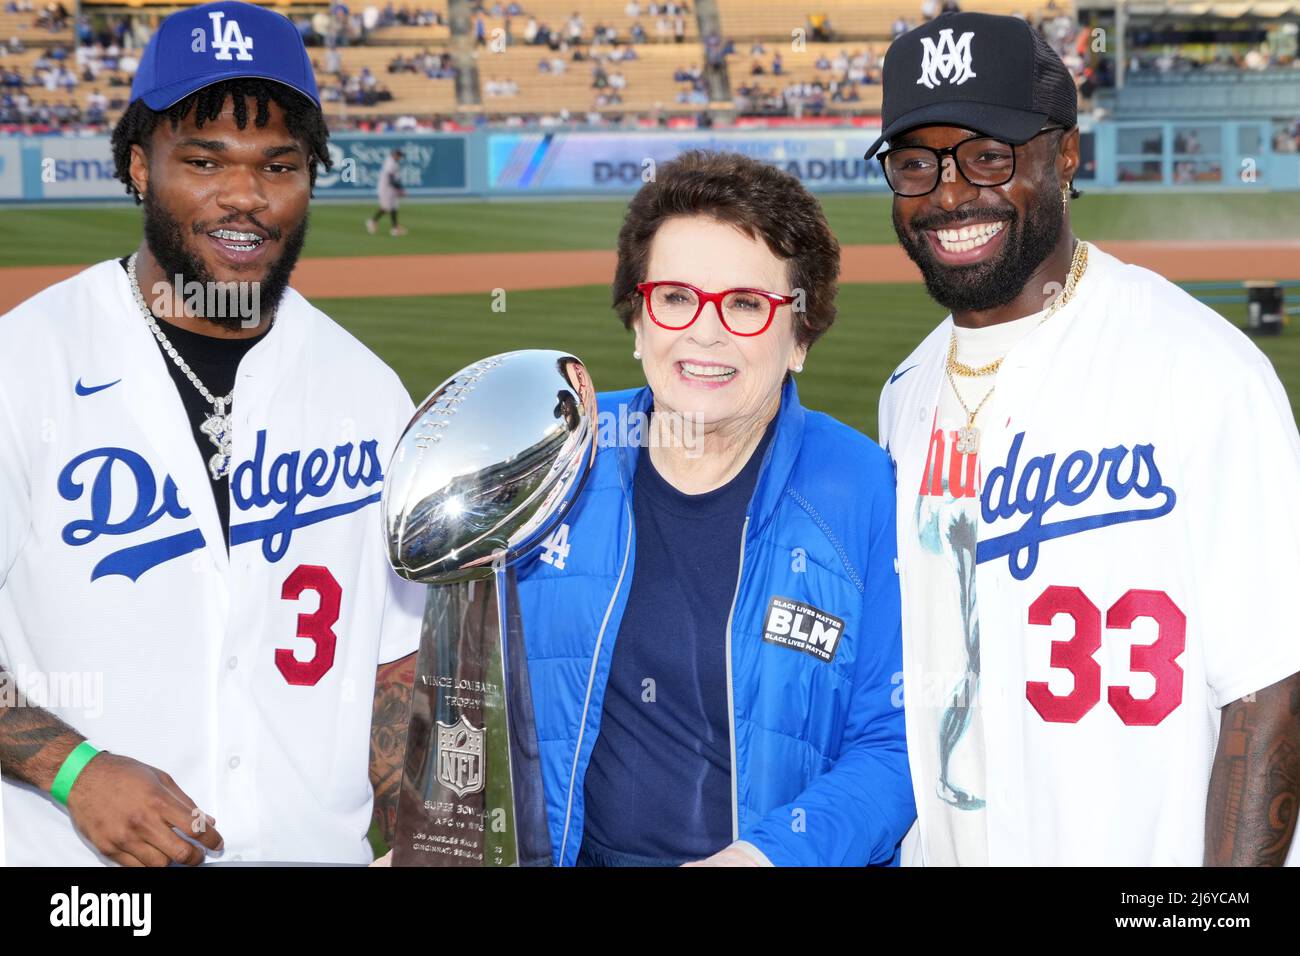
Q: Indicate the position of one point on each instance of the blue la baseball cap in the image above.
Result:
(199, 46)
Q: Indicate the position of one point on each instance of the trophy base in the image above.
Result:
(471, 790)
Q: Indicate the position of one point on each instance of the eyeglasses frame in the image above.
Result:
(952, 151)
(774, 299)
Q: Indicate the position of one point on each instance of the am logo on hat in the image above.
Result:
(946, 60)
(992, 75)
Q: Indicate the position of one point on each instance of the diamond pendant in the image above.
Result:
(217, 427)
(968, 440)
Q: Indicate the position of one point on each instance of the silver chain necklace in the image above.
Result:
(216, 426)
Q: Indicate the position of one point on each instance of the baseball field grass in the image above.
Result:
(427, 338)
(45, 235)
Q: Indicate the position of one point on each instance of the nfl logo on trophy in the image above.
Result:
(460, 757)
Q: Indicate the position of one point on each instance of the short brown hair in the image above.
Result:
(762, 202)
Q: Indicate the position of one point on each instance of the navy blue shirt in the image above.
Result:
(658, 787)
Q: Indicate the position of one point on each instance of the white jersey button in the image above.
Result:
(234, 763)
(232, 663)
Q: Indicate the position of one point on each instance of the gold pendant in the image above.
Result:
(968, 440)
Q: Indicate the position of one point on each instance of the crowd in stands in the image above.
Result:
(669, 22)
(495, 88)
(342, 26)
(374, 18)
(1164, 61)
(436, 66)
(1286, 139)
(87, 80)
(52, 16)
(597, 44)
(405, 123)
(694, 89)
(837, 82)
(82, 74)
(361, 88)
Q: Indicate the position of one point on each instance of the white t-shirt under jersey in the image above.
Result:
(946, 706)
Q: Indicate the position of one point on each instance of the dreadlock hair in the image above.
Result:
(301, 115)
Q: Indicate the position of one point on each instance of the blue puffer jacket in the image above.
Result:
(819, 763)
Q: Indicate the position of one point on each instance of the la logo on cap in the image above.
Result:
(224, 40)
(946, 60)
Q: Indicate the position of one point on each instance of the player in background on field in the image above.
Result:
(390, 192)
(1096, 534)
(197, 615)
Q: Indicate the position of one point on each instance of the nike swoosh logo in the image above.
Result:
(92, 389)
(897, 375)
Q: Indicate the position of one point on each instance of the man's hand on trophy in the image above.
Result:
(127, 810)
(385, 860)
(728, 856)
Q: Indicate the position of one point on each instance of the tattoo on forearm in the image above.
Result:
(1255, 783)
(388, 739)
(33, 742)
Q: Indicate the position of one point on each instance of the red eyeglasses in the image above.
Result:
(676, 305)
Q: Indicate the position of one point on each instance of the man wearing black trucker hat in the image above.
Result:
(1086, 443)
(191, 464)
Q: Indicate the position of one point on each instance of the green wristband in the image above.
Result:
(73, 764)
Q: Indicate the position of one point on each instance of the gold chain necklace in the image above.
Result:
(968, 438)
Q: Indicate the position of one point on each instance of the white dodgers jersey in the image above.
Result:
(1136, 549)
(248, 674)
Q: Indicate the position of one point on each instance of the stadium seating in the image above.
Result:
(856, 19)
(24, 64)
(23, 26)
(611, 13)
(431, 34)
(412, 92)
(800, 66)
(89, 6)
(855, 25)
(650, 83)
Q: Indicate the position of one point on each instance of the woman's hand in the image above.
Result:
(730, 856)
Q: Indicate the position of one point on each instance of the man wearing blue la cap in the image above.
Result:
(235, 605)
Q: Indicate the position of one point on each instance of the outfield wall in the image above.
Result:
(1146, 155)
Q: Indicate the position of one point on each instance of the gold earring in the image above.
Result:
(1065, 197)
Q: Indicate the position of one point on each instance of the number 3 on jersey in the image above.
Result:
(556, 547)
(1076, 655)
(316, 626)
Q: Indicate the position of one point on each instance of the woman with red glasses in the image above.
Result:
(713, 633)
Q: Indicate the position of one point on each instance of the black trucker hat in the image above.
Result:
(994, 75)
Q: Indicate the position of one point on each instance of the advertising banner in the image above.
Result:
(824, 160)
(432, 164)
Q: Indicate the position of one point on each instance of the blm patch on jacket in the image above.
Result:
(802, 627)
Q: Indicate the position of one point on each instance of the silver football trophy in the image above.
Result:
(488, 466)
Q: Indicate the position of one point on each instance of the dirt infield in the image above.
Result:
(364, 277)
